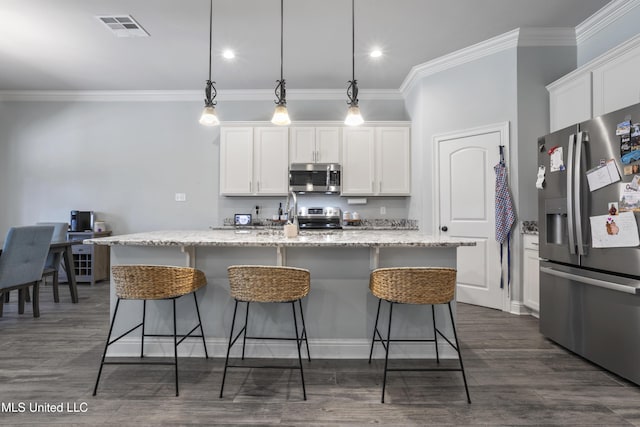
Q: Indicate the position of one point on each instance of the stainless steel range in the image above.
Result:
(327, 218)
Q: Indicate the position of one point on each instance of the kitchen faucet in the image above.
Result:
(293, 219)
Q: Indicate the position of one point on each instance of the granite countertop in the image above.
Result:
(529, 227)
(276, 238)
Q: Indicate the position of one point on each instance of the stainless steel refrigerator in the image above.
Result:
(590, 297)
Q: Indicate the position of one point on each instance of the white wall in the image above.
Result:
(126, 161)
(537, 67)
(473, 94)
(508, 86)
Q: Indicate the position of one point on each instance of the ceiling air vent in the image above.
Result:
(123, 26)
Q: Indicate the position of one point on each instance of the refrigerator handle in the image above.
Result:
(577, 190)
(570, 216)
(591, 281)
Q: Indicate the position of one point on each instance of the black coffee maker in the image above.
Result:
(81, 221)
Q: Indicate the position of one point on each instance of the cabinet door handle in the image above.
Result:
(258, 186)
(317, 156)
(373, 188)
(250, 186)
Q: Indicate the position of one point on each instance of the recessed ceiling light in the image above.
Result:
(228, 54)
(376, 53)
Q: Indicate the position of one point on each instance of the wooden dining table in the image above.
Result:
(64, 247)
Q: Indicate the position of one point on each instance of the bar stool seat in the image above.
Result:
(153, 282)
(267, 284)
(415, 285)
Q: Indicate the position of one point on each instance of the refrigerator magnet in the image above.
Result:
(623, 128)
(613, 208)
(634, 184)
(540, 180)
(629, 200)
(556, 161)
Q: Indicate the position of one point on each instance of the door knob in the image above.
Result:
(444, 228)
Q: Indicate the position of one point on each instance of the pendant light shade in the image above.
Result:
(281, 115)
(354, 118)
(209, 116)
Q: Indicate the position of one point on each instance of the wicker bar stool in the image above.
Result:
(415, 285)
(267, 284)
(152, 282)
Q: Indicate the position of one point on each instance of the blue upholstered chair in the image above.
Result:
(52, 265)
(22, 262)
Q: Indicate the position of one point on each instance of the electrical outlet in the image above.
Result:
(383, 210)
(181, 197)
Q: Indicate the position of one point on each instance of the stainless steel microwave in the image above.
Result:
(314, 178)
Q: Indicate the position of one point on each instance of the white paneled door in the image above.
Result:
(465, 207)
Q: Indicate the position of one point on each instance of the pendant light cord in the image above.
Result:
(210, 34)
(353, 39)
(281, 38)
(352, 90)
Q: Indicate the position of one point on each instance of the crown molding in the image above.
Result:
(190, 95)
(603, 18)
(520, 37)
(551, 36)
(488, 47)
(316, 123)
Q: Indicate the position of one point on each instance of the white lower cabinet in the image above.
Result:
(376, 161)
(531, 274)
(254, 161)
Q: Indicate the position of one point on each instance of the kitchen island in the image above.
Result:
(339, 310)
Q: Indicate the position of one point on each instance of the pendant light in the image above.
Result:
(209, 116)
(281, 115)
(354, 118)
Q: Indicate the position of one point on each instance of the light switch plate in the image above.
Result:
(181, 197)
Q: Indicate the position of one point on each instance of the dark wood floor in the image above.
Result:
(516, 377)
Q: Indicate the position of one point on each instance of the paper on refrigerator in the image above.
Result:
(603, 175)
(614, 231)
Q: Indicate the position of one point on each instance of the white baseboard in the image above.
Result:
(517, 307)
(520, 309)
(320, 349)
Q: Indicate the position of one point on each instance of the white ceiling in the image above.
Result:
(60, 45)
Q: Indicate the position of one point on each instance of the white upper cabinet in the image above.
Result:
(236, 160)
(570, 101)
(271, 160)
(314, 145)
(393, 161)
(358, 161)
(254, 161)
(616, 84)
(376, 161)
(605, 84)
